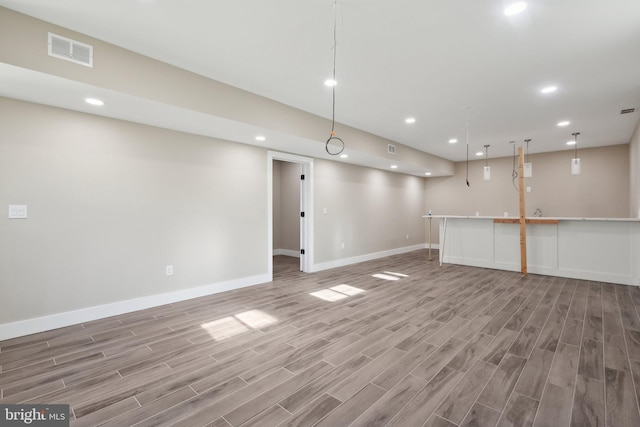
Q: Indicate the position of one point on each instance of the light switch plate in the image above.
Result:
(17, 211)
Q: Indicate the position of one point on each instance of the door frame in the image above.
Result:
(306, 206)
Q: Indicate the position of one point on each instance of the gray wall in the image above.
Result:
(276, 173)
(601, 190)
(369, 210)
(286, 205)
(111, 203)
(634, 174)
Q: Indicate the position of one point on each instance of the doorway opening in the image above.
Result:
(290, 211)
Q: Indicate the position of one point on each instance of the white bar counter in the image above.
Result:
(598, 249)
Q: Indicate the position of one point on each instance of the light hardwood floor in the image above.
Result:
(398, 341)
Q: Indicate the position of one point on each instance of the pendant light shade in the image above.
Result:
(575, 162)
(486, 173)
(575, 166)
(528, 167)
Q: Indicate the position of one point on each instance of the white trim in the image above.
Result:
(307, 226)
(270, 214)
(60, 320)
(368, 257)
(306, 237)
(286, 252)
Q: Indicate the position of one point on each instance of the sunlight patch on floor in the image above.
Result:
(329, 295)
(347, 290)
(231, 326)
(396, 274)
(385, 277)
(390, 275)
(224, 328)
(256, 319)
(337, 293)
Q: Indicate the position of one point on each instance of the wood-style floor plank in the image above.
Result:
(621, 399)
(481, 415)
(502, 383)
(446, 346)
(588, 403)
(520, 412)
(461, 398)
(565, 366)
(555, 407)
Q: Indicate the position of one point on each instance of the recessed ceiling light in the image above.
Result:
(480, 153)
(394, 166)
(427, 173)
(549, 89)
(515, 8)
(344, 156)
(453, 141)
(94, 101)
(261, 138)
(410, 120)
(330, 82)
(564, 123)
(571, 143)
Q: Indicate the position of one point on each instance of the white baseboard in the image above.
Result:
(368, 257)
(60, 320)
(286, 252)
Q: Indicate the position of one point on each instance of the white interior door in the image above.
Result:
(306, 207)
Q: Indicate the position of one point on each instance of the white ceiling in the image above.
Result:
(438, 61)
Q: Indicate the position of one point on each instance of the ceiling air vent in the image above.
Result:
(391, 149)
(70, 50)
(627, 110)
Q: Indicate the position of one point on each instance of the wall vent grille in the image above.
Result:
(70, 50)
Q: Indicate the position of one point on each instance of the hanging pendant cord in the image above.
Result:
(336, 143)
(514, 172)
(333, 88)
(467, 177)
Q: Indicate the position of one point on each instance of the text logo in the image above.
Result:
(34, 415)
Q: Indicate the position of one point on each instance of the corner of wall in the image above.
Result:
(634, 173)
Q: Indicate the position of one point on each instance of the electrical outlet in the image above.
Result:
(528, 189)
(342, 245)
(407, 237)
(18, 212)
(169, 270)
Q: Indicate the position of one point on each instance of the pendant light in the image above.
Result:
(528, 167)
(575, 162)
(487, 169)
